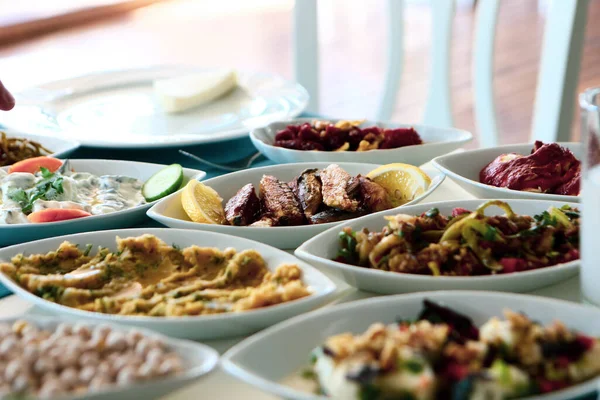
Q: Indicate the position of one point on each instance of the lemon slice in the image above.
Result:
(202, 203)
(403, 182)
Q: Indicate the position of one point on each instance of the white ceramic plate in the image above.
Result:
(117, 109)
(321, 249)
(266, 358)
(464, 169)
(198, 360)
(437, 141)
(169, 212)
(19, 233)
(59, 147)
(193, 327)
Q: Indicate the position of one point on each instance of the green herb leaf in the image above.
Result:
(414, 366)
(51, 194)
(46, 172)
(490, 233)
(18, 195)
(348, 247)
(50, 292)
(572, 214)
(545, 219)
(309, 374)
(369, 392)
(383, 260)
(88, 248)
(47, 189)
(344, 253)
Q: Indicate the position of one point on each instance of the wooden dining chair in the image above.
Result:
(557, 79)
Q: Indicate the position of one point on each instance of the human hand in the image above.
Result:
(7, 101)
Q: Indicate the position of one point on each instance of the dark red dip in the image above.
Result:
(550, 168)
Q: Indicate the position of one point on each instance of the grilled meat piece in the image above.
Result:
(335, 184)
(374, 197)
(293, 184)
(243, 208)
(353, 186)
(333, 215)
(263, 222)
(279, 202)
(309, 192)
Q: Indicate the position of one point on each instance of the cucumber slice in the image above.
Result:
(164, 182)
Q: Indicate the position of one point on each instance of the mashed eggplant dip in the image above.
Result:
(148, 277)
(24, 193)
(442, 355)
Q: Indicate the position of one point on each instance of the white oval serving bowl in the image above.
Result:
(59, 147)
(169, 211)
(214, 326)
(436, 141)
(198, 359)
(464, 169)
(266, 358)
(19, 233)
(320, 250)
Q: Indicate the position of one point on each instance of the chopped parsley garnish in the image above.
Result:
(347, 249)
(140, 269)
(534, 230)
(413, 366)
(545, 219)
(176, 247)
(217, 259)
(572, 214)
(50, 292)
(49, 188)
(88, 248)
(383, 260)
(111, 272)
(490, 233)
(309, 374)
(369, 392)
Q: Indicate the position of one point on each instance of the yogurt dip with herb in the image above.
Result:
(24, 193)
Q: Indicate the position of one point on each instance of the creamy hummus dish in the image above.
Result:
(148, 277)
(443, 355)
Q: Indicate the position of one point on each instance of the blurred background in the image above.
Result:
(44, 40)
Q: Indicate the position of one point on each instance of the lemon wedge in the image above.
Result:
(403, 182)
(202, 203)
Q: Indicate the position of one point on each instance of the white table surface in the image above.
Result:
(218, 385)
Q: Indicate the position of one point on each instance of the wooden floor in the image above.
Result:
(256, 35)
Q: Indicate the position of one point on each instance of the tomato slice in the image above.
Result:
(33, 165)
(56, 214)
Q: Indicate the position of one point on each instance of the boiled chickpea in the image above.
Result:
(50, 389)
(87, 373)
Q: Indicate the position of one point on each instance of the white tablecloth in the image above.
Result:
(219, 385)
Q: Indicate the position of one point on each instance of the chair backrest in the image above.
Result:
(557, 79)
